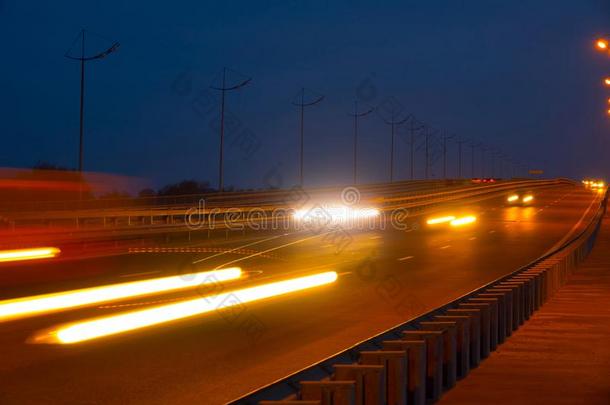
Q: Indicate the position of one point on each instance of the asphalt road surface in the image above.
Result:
(386, 277)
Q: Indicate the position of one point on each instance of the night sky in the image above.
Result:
(520, 76)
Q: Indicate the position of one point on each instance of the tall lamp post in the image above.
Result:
(603, 45)
(357, 115)
(393, 122)
(414, 125)
(460, 142)
(445, 138)
(223, 89)
(83, 58)
(472, 146)
(302, 104)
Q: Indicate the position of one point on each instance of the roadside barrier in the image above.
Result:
(415, 362)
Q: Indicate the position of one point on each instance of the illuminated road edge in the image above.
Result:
(128, 321)
(46, 303)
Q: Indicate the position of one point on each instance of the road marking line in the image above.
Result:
(445, 247)
(472, 238)
(405, 258)
(240, 247)
(492, 231)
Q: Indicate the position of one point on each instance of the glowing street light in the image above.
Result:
(601, 44)
(607, 81)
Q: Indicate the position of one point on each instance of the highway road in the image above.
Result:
(385, 278)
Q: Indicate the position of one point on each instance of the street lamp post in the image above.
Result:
(392, 124)
(302, 104)
(460, 142)
(412, 129)
(357, 115)
(445, 138)
(223, 89)
(83, 58)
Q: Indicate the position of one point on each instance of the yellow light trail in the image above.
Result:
(463, 220)
(129, 321)
(440, 220)
(28, 254)
(512, 198)
(46, 303)
(528, 198)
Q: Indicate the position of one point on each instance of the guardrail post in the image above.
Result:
(434, 360)
(290, 402)
(521, 296)
(475, 332)
(396, 365)
(416, 375)
(486, 325)
(462, 342)
(329, 392)
(497, 321)
(505, 311)
(449, 330)
(535, 285)
(370, 382)
(512, 306)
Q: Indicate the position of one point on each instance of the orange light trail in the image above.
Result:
(41, 304)
(28, 254)
(133, 320)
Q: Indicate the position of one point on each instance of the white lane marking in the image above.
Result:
(445, 247)
(375, 237)
(144, 273)
(492, 231)
(405, 258)
(472, 238)
(240, 247)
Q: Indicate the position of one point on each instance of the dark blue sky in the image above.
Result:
(521, 76)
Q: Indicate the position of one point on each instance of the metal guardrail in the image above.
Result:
(174, 211)
(416, 361)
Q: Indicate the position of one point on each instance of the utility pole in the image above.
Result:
(392, 124)
(83, 58)
(357, 115)
(223, 89)
(302, 104)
